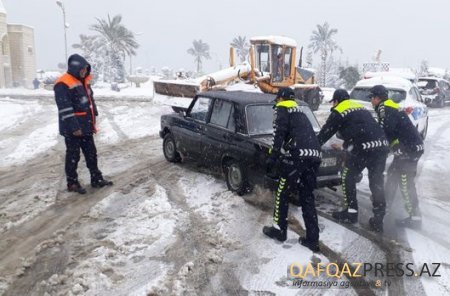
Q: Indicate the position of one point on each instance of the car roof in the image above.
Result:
(243, 98)
(387, 81)
(432, 78)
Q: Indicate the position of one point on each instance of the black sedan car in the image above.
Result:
(232, 131)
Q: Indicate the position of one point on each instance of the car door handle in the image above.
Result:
(226, 137)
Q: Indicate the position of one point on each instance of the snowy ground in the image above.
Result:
(166, 229)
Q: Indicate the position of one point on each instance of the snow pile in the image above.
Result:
(131, 233)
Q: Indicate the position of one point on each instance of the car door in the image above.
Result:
(419, 110)
(219, 132)
(190, 134)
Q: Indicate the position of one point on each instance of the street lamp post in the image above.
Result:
(66, 25)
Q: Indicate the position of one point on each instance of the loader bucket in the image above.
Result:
(175, 88)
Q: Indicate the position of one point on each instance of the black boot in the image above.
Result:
(76, 187)
(376, 224)
(274, 233)
(345, 216)
(98, 183)
(312, 245)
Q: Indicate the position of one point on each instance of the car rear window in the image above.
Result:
(362, 94)
(260, 119)
(427, 84)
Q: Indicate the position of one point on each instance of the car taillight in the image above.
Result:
(409, 110)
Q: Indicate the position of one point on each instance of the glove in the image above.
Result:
(396, 150)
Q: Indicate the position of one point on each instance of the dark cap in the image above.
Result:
(378, 91)
(340, 95)
(285, 93)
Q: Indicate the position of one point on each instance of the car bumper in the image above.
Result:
(322, 181)
(430, 100)
(161, 134)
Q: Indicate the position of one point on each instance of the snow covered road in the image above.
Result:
(166, 229)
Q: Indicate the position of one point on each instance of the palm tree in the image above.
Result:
(120, 41)
(322, 40)
(199, 50)
(242, 47)
(94, 50)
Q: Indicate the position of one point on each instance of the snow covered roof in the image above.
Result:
(432, 78)
(387, 81)
(406, 75)
(276, 40)
(2, 7)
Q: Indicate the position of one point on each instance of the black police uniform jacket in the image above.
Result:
(402, 135)
(356, 127)
(293, 132)
(75, 101)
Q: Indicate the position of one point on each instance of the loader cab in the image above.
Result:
(275, 57)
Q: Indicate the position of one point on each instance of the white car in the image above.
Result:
(435, 91)
(401, 91)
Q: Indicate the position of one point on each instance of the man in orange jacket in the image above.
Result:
(77, 115)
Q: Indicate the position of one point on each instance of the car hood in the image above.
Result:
(264, 140)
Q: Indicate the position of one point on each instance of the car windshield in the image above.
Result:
(260, 119)
(362, 94)
(426, 84)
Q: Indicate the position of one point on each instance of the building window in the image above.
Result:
(30, 50)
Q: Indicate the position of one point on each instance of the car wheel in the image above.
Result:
(424, 132)
(170, 149)
(236, 177)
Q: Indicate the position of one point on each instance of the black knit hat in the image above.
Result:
(285, 93)
(340, 95)
(378, 91)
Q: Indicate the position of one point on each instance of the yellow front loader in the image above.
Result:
(272, 65)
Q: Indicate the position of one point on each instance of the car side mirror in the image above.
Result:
(182, 113)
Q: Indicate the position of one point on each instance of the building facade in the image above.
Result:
(18, 55)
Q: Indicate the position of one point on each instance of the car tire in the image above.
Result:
(236, 177)
(170, 149)
(423, 133)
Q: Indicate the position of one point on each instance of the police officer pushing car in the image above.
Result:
(407, 146)
(366, 147)
(296, 147)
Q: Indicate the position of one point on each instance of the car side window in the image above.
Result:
(223, 114)
(200, 109)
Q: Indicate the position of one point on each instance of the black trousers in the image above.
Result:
(375, 162)
(73, 147)
(300, 176)
(402, 173)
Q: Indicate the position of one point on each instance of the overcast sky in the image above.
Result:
(407, 31)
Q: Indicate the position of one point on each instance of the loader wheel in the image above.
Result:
(312, 97)
(236, 177)
(170, 149)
